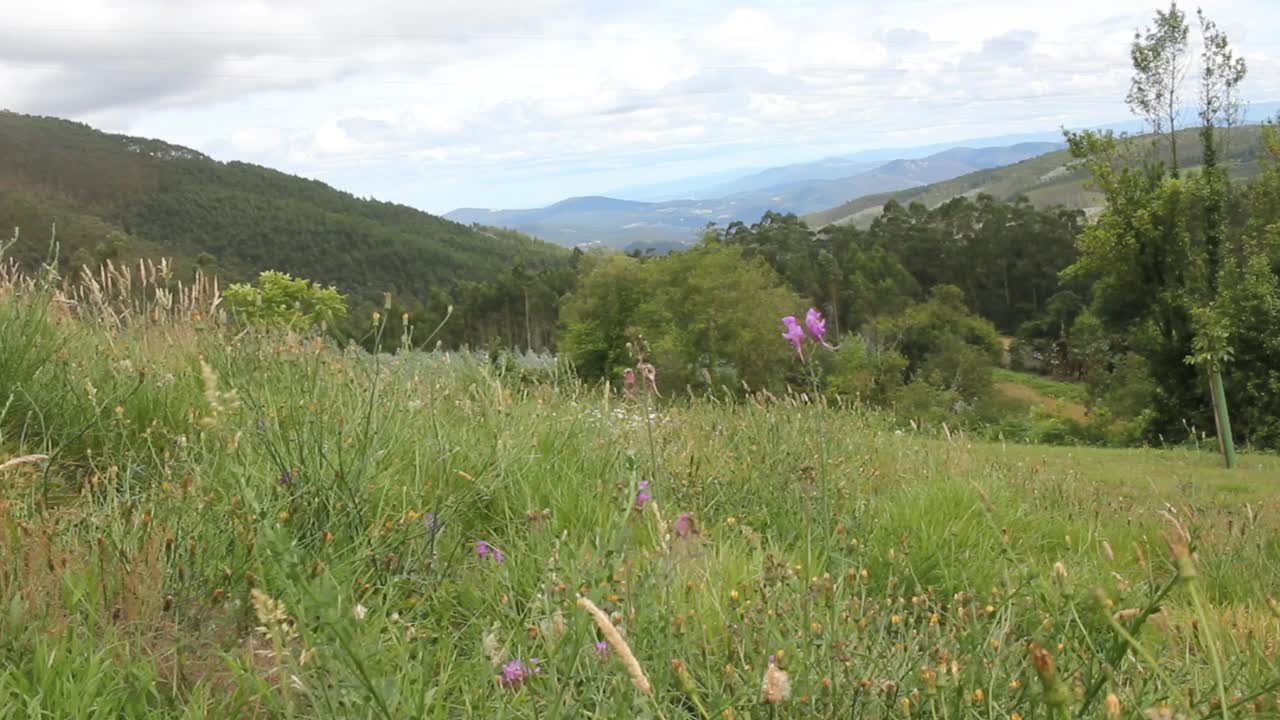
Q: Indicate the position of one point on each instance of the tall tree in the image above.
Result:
(1220, 76)
(1160, 66)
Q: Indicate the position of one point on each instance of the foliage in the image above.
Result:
(122, 198)
(866, 371)
(280, 299)
(1160, 66)
(943, 343)
(598, 314)
(709, 310)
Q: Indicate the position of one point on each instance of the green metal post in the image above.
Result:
(1223, 419)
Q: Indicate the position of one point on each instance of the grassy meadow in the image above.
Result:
(203, 521)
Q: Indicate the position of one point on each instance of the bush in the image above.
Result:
(284, 301)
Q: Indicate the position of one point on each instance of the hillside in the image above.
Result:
(119, 197)
(626, 223)
(1045, 180)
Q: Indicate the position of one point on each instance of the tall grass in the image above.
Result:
(240, 524)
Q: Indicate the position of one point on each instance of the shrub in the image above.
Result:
(284, 301)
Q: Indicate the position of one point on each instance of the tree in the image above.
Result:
(1159, 69)
(713, 311)
(598, 313)
(280, 299)
(1156, 250)
(1220, 77)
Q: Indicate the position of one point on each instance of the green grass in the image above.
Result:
(890, 574)
(1075, 392)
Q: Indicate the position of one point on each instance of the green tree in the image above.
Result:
(598, 313)
(282, 300)
(1159, 69)
(716, 310)
(944, 344)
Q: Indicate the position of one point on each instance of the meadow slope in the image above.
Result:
(248, 524)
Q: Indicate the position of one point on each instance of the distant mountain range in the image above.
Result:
(802, 188)
(672, 213)
(1045, 180)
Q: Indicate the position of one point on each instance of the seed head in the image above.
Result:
(1112, 705)
(776, 686)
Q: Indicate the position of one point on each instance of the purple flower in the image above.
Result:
(431, 522)
(817, 325)
(602, 648)
(515, 672)
(684, 525)
(643, 496)
(485, 550)
(794, 333)
(286, 478)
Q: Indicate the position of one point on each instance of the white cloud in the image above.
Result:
(517, 102)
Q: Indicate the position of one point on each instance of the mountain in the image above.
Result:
(610, 222)
(119, 197)
(1049, 179)
(832, 168)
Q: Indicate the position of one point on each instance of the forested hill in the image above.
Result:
(119, 197)
(1047, 180)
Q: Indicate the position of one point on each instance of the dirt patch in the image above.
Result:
(1062, 408)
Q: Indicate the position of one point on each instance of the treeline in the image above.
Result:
(119, 198)
(913, 306)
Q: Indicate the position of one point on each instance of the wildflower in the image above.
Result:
(286, 478)
(360, 612)
(794, 334)
(629, 382)
(817, 326)
(643, 496)
(515, 672)
(602, 648)
(650, 376)
(431, 522)
(684, 525)
(485, 550)
(776, 685)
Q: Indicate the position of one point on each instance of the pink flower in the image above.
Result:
(629, 382)
(515, 672)
(650, 376)
(684, 525)
(643, 496)
(817, 325)
(794, 333)
(485, 550)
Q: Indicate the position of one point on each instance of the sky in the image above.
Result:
(518, 103)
